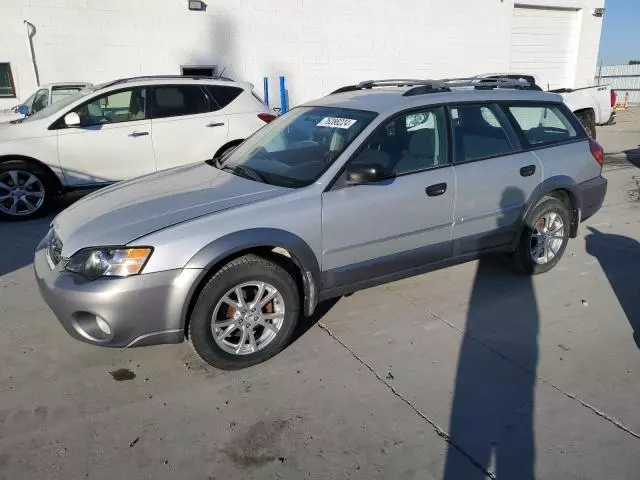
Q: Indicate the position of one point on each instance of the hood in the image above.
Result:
(129, 210)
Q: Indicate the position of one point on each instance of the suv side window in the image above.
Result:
(479, 131)
(407, 143)
(179, 100)
(222, 95)
(543, 124)
(114, 107)
(40, 101)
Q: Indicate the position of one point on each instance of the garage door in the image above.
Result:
(544, 42)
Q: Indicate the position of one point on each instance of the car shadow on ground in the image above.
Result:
(19, 239)
(619, 257)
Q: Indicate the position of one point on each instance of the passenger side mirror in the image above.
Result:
(364, 174)
(72, 119)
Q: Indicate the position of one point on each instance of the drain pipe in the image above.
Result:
(31, 32)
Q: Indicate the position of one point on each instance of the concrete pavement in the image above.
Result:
(464, 373)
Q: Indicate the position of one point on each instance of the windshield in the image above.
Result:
(59, 105)
(295, 149)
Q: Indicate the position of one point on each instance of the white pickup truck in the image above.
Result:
(592, 105)
(44, 96)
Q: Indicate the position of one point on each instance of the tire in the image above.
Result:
(216, 299)
(588, 121)
(34, 194)
(544, 215)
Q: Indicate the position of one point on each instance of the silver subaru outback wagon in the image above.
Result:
(375, 182)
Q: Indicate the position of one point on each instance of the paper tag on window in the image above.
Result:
(334, 122)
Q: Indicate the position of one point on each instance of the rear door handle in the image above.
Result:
(528, 170)
(215, 124)
(138, 134)
(435, 190)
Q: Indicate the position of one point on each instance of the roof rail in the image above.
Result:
(162, 77)
(443, 85)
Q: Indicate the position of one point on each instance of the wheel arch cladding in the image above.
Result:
(223, 249)
(559, 183)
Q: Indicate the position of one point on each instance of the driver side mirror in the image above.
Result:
(72, 119)
(23, 110)
(364, 174)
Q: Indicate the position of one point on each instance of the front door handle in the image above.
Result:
(435, 190)
(528, 170)
(215, 124)
(138, 134)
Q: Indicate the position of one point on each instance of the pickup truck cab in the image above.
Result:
(46, 95)
(592, 105)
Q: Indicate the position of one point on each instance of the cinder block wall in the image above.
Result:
(318, 45)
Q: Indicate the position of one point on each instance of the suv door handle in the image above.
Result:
(528, 170)
(138, 134)
(215, 124)
(435, 190)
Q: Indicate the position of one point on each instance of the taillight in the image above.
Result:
(266, 117)
(596, 151)
(613, 98)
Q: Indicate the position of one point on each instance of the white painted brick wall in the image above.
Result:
(318, 45)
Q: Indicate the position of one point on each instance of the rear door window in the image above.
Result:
(223, 95)
(179, 100)
(543, 124)
(480, 131)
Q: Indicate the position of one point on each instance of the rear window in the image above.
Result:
(223, 95)
(543, 124)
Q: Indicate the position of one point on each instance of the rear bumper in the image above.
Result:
(139, 310)
(592, 192)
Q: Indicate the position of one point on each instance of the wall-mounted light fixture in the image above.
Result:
(197, 5)
(598, 12)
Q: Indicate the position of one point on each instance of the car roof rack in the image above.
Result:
(165, 77)
(420, 87)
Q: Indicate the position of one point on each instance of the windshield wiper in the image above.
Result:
(244, 172)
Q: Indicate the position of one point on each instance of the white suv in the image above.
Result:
(121, 130)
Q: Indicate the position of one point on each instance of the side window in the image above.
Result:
(543, 124)
(407, 143)
(40, 101)
(478, 132)
(179, 100)
(116, 107)
(222, 95)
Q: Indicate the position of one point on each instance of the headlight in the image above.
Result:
(108, 262)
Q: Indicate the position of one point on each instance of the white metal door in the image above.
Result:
(185, 130)
(544, 42)
(106, 153)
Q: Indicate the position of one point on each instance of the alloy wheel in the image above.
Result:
(21, 193)
(248, 318)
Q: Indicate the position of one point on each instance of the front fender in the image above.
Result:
(301, 254)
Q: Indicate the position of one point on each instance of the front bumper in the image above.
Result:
(145, 309)
(593, 193)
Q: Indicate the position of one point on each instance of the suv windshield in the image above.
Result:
(59, 105)
(295, 149)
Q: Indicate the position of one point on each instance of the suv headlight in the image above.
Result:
(108, 262)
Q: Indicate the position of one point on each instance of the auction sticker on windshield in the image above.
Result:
(334, 122)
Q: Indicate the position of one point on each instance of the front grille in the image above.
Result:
(54, 249)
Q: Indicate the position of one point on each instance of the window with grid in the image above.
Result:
(7, 88)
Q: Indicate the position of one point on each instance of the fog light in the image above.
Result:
(104, 326)
(91, 326)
